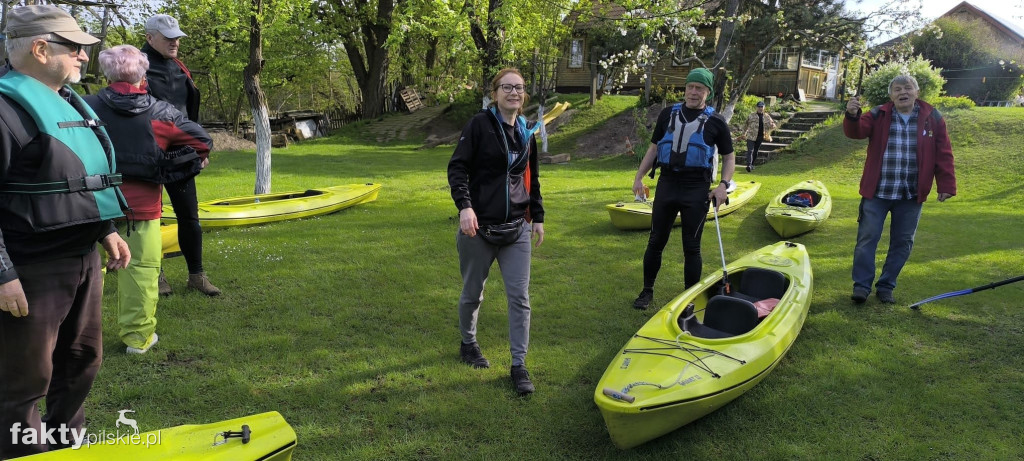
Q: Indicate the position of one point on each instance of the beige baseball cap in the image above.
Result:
(166, 25)
(32, 20)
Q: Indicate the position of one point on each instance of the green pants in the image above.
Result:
(137, 283)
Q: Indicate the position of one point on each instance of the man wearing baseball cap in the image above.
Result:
(756, 130)
(58, 198)
(683, 187)
(169, 80)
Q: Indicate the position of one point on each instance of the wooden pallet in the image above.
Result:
(412, 99)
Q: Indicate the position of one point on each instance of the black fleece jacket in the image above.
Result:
(481, 177)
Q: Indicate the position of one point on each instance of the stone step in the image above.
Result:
(819, 113)
(790, 125)
(791, 129)
(772, 146)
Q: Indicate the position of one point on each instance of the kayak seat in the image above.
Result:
(757, 284)
(724, 317)
(730, 315)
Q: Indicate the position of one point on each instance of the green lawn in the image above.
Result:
(346, 323)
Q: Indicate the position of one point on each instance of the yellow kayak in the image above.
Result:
(637, 215)
(169, 240)
(265, 208)
(703, 349)
(800, 208)
(266, 436)
(555, 112)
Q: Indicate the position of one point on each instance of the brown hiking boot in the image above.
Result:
(202, 283)
(163, 288)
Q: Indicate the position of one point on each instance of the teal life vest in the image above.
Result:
(73, 123)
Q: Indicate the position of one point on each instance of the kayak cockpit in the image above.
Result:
(738, 312)
(804, 198)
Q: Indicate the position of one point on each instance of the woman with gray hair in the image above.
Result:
(154, 144)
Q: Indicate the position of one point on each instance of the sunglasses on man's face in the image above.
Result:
(75, 47)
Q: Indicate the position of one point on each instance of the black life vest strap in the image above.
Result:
(87, 183)
(87, 123)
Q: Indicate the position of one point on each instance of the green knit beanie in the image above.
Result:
(704, 77)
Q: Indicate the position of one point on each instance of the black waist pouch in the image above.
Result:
(503, 234)
(178, 164)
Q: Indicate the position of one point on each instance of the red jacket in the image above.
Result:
(934, 151)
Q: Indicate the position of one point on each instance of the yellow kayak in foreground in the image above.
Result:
(265, 436)
(637, 215)
(704, 348)
(265, 208)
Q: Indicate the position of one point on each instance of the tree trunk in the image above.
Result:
(649, 70)
(257, 100)
(720, 101)
(593, 75)
(488, 42)
(495, 37)
(739, 88)
(371, 71)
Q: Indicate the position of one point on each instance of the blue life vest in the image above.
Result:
(696, 153)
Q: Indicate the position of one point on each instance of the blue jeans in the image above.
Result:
(902, 227)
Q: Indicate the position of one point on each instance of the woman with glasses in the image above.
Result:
(494, 183)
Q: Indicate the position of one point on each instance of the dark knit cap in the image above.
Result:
(704, 77)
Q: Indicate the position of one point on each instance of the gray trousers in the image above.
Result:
(475, 259)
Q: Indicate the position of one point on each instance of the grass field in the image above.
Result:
(346, 323)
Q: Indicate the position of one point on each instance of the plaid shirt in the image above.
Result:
(898, 180)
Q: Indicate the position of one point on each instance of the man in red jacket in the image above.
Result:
(908, 148)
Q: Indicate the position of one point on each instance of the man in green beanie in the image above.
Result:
(683, 145)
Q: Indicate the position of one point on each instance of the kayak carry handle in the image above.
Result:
(245, 434)
(618, 395)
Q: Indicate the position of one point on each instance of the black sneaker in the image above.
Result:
(860, 295)
(644, 299)
(521, 380)
(471, 355)
(750, 168)
(885, 296)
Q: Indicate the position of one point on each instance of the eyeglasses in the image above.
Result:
(76, 47)
(508, 87)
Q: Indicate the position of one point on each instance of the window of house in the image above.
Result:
(576, 53)
(818, 58)
(782, 58)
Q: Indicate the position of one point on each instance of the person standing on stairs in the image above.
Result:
(169, 80)
(756, 130)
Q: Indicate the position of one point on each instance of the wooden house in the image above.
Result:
(786, 70)
(1009, 38)
(574, 72)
